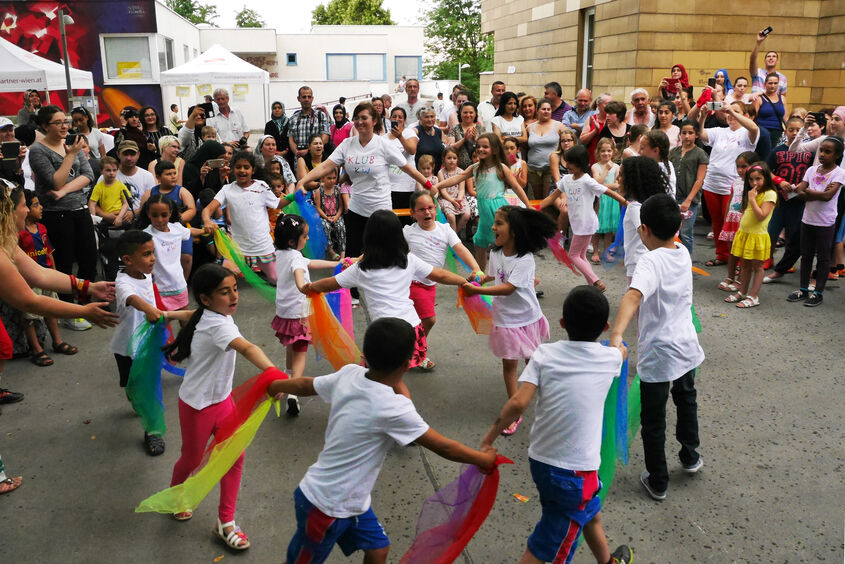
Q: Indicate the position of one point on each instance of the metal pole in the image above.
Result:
(459, 71)
(65, 57)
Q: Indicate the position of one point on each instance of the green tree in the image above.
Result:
(248, 18)
(193, 11)
(351, 12)
(453, 37)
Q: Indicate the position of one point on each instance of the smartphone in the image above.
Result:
(820, 118)
(394, 124)
(71, 139)
(715, 105)
(11, 149)
(711, 82)
(766, 31)
(215, 163)
(209, 109)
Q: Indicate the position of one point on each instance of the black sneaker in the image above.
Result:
(154, 444)
(8, 396)
(798, 296)
(653, 493)
(622, 555)
(814, 300)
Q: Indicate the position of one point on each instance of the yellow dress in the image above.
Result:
(752, 241)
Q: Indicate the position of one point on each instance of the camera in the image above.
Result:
(208, 108)
(715, 105)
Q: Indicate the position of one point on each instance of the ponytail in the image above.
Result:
(180, 348)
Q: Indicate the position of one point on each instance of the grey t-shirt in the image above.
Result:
(45, 162)
(686, 171)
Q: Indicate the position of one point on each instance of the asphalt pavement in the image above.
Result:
(770, 397)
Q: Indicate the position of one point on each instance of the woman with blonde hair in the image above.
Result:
(169, 147)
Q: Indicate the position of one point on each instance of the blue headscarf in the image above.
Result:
(728, 85)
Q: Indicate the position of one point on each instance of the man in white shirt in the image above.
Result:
(413, 104)
(230, 123)
(487, 109)
(668, 348)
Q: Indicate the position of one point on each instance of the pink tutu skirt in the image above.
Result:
(514, 343)
(291, 331)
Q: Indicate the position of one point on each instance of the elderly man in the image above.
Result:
(641, 112)
(305, 122)
(230, 123)
(487, 109)
(553, 93)
(577, 116)
(414, 104)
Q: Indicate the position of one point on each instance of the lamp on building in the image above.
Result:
(66, 19)
(460, 68)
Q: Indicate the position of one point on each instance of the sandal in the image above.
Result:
(10, 484)
(427, 364)
(235, 539)
(600, 285)
(183, 515)
(65, 348)
(154, 444)
(595, 259)
(41, 359)
(511, 429)
(733, 298)
(750, 301)
(728, 285)
(715, 262)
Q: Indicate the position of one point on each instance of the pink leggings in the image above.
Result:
(197, 427)
(578, 255)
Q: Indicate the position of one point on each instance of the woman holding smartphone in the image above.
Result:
(670, 88)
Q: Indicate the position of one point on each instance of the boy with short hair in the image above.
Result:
(135, 300)
(208, 133)
(368, 411)
(668, 348)
(571, 380)
(108, 199)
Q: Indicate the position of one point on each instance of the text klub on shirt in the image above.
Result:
(360, 164)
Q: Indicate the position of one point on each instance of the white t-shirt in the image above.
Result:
(95, 139)
(668, 345)
(388, 289)
(289, 300)
(431, 246)
(208, 376)
(230, 128)
(818, 212)
(366, 418)
(521, 308)
(124, 287)
(367, 167)
(673, 181)
(169, 276)
(138, 184)
(512, 128)
(248, 210)
(727, 146)
(447, 110)
(572, 379)
(486, 111)
(399, 181)
(581, 194)
(634, 247)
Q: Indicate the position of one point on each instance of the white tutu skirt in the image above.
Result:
(515, 343)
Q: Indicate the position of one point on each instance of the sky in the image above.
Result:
(292, 16)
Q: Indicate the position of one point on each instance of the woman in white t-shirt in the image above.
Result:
(741, 135)
(385, 273)
(210, 341)
(366, 159)
(506, 122)
(405, 140)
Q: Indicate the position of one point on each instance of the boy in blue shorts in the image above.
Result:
(667, 347)
(570, 379)
(368, 414)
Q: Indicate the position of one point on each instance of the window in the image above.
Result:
(291, 58)
(409, 67)
(588, 22)
(127, 57)
(358, 66)
(165, 53)
(186, 53)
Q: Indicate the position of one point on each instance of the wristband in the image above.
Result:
(776, 180)
(73, 286)
(83, 293)
(428, 184)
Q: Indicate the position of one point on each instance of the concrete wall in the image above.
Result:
(181, 31)
(637, 42)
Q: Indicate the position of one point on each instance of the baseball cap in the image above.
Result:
(6, 122)
(127, 146)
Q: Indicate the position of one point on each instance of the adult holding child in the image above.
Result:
(366, 158)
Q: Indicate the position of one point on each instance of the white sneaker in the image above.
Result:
(77, 324)
(355, 302)
(589, 248)
(692, 469)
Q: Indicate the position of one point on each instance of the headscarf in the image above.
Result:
(281, 122)
(684, 77)
(728, 85)
(259, 156)
(342, 122)
(840, 111)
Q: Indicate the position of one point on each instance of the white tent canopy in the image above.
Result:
(216, 65)
(23, 70)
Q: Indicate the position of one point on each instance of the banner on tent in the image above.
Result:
(204, 89)
(183, 91)
(240, 89)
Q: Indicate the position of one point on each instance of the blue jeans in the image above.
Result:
(688, 226)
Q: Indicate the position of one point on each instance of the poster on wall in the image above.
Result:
(34, 26)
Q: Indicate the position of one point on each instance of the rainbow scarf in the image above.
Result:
(479, 310)
(144, 385)
(317, 244)
(230, 250)
(330, 338)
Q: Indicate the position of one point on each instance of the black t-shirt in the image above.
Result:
(789, 166)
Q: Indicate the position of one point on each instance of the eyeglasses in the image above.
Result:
(58, 123)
